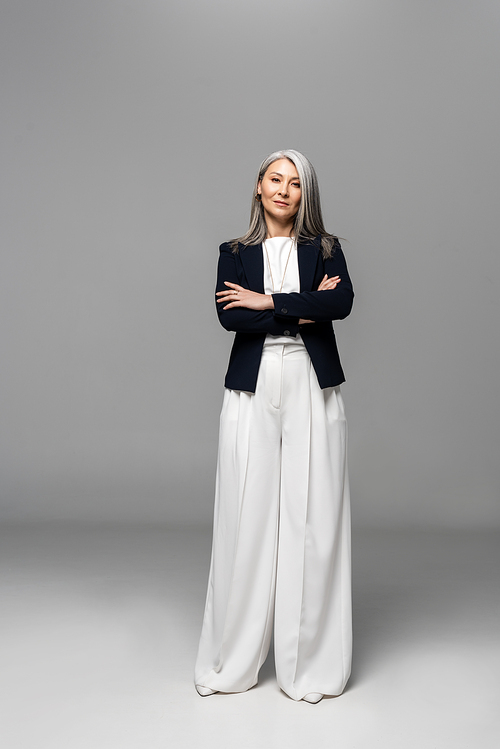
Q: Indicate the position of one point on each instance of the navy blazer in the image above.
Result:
(246, 268)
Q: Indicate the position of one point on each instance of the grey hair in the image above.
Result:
(308, 222)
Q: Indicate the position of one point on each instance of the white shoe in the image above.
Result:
(206, 691)
(313, 697)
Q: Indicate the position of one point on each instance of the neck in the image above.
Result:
(278, 229)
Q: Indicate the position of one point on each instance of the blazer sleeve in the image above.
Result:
(320, 306)
(240, 319)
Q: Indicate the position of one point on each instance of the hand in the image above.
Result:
(237, 296)
(327, 284)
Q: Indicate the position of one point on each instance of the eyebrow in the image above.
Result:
(280, 175)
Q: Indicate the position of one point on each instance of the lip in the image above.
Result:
(279, 202)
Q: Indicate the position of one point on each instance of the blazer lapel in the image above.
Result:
(308, 255)
(252, 261)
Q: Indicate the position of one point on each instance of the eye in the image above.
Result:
(274, 179)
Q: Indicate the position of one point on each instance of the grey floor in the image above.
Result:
(99, 628)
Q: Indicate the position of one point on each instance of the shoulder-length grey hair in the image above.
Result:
(308, 222)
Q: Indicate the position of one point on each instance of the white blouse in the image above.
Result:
(281, 273)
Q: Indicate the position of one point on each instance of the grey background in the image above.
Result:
(131, 133)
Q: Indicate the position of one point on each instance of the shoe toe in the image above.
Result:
(313, 697)
(205, 691)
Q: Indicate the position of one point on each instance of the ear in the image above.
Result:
(259, 190)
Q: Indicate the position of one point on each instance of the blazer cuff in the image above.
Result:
(288, 327)
(281, 309)
(290, 322)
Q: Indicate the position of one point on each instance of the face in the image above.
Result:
(280, 192)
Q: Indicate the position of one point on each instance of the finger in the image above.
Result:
(233, 285)
(331, 282)
(229, 292)
(326, 283)
(330, 287)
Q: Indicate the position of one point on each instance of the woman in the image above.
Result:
(281, 545)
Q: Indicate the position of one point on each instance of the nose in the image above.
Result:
(283, 190)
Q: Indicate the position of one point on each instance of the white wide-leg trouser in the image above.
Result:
(281, 541)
